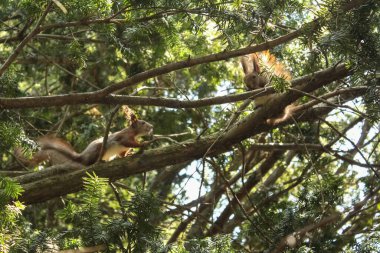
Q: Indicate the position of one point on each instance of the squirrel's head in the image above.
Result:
(254, 81)
(253, 77)
(142, 128)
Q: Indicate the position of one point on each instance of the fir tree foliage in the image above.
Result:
(251, 186)
(10, 211)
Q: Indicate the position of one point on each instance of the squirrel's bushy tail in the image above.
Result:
(272, 66)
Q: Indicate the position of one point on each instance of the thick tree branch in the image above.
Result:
(317, 78)
(35, 102)
(60, 183)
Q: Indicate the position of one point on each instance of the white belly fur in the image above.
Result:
(113, 151)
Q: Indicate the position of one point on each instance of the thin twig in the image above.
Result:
(246, 215)
(329, 103)
(353, 144)
(117, 195)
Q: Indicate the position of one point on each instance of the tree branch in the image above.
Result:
(319, 78)
(70, 180)
(23, 43)
(294, 238)
(291, 240)
(35, 102)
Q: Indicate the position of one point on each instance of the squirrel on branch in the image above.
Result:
(254, 79)
(58, 151)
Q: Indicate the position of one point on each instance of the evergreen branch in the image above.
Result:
(67, 38)
(358, 207)
(296, 237)
(237, 219)
(293, 239)
(373, 166)
(94, 97)
(205, 200)
(269, 182)
(243, 192)
(181, 227)
(34, 32)
(143, 76)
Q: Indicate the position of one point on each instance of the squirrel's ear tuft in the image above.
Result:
(246, 64)
(255, 62)
(250, 63)
(134, 120)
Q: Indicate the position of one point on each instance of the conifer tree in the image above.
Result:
(222, 172)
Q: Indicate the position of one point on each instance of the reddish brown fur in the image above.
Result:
(58, 151)
(288, 112)
(254, 79)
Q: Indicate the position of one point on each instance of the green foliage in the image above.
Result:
(92, 227)
(142, 235)
(9, 83)
(305, 249)
(88, 226)
(100, 43)
(6, 7)
(217, 244)
(86, 9)
(87, 217)
(32, 8)
(9, 214)
(280, 84)
(10, 190)
(372, 100)
(10, 135)
(10, 211)
(368, 245)
(78, 53)
(146, 3)
(321, 194)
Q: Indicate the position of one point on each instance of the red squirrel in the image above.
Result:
(252, 73)
(254, 79)
(58, 151)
